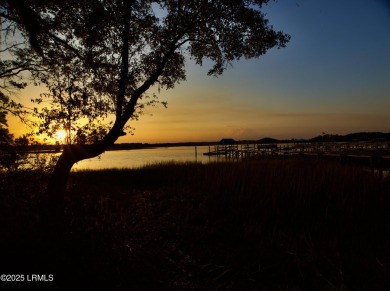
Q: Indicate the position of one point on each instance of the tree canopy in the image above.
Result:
(98, 58)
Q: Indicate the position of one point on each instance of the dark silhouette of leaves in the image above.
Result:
(99, 58)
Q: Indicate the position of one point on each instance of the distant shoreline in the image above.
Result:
(374, 137)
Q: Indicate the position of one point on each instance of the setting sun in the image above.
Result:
(60, 135)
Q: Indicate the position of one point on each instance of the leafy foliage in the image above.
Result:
(100, 57)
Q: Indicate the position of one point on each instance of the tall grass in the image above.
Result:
(278, 224)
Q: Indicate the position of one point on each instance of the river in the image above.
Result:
(131, 159)
(141, 157)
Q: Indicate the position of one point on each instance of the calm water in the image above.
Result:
(142, 157)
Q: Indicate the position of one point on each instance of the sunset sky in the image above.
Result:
(333, 77)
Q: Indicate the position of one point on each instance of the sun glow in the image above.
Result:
(60, 135)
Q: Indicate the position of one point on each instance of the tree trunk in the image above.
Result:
(54, 198)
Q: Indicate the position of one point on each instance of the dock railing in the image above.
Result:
(245, 149)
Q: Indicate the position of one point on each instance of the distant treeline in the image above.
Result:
(44, 148)
(358, 136)
(352, 137)
(130, 146)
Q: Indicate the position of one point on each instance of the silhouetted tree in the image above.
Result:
(10, 81)
(7, 155)
(101, 57)
(12, 151)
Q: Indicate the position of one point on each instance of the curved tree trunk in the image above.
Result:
(54, 198)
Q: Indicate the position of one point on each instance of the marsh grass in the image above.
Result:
(268, 224)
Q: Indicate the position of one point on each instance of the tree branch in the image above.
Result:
(8, 17)
(131, 106)
(125, 60)
(11, 47)
(14, 70)
(66, 44)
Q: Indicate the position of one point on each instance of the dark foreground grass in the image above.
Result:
(254, 225)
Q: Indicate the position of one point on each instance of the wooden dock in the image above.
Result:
(376, 154)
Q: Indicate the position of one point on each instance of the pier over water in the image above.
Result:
(374, 153)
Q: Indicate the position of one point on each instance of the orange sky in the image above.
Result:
(333, 77)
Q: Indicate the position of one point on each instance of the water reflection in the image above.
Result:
(142, 157)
